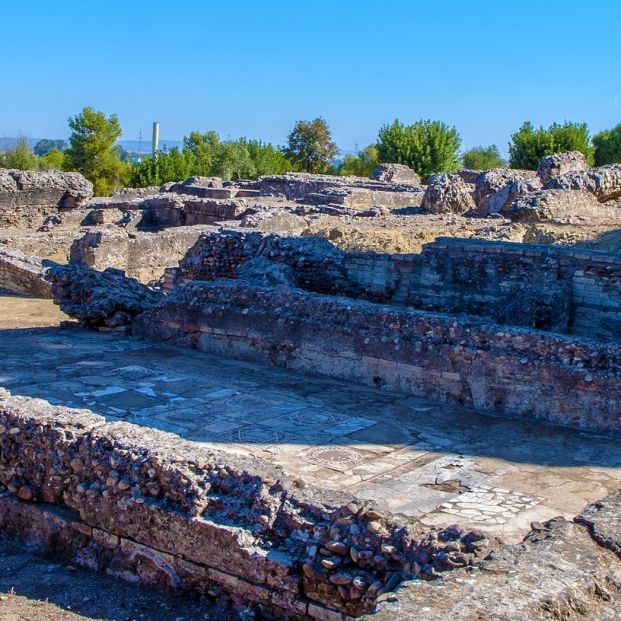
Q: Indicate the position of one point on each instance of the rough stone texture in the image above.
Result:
(468, 175)
(603, 182)
(23, 274)
(262, 271)
(133, 193)
(491, 181)
(183, 517)
(558, 206)
(498, 202)
(99, 299)
(447, 193)
(603, 518)
(396, 173)
(559, 573)
(140, 254)
(361, 198)
(315, 263)
(505, 370)
(561, 163)
(296, 186)
(549, 288)
(19, 188)
(203, 182)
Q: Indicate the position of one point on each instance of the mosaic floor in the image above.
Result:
(439, 462)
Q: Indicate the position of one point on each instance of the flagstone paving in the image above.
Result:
(442, 463)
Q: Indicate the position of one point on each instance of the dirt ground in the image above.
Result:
(21, 312)
(408, 234)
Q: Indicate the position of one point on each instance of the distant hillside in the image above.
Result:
(137, 146)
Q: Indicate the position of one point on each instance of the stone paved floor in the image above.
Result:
(439, 462)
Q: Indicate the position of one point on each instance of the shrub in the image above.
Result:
(483, 158)
(529, 145)
(426, 146)
(360, 165)
(607, 146)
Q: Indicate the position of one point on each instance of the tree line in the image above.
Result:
(426, 146)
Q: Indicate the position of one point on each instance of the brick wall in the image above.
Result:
(550, 288)
(514, 371)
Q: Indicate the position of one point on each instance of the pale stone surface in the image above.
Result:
(396, 173)
(558, 572)
(558, 206)
(561, 163)
(447, 193)
(411, 455)
(603, 182)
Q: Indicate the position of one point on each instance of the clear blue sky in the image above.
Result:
(252, 68)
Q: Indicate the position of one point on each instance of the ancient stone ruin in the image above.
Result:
(319, 397)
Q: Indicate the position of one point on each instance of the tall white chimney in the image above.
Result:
(156, 137)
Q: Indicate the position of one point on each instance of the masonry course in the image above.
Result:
(530, 332)
(196, 517)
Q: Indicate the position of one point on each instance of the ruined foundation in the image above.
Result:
(250, 412)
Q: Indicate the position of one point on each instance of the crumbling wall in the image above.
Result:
(510, 371)
(140, 254)
(150, 506)
(562, 570)
(23, 274)
(27, 188)
(551, 288)
(296, 186)
(555, 289)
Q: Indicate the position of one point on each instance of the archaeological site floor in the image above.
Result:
(440, 463)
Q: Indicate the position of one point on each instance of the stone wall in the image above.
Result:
(23, 188)
(562, 570)
(512, 371)
(550, 288)
(23, 274)
(296, 186)
(146, 505)
(142, 255)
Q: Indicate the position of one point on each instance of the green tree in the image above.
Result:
(267, 159)
(362, 164)
(426, 146)
(232, 161)
(55, 160)
(206, 155)
(200, 151)
(91, 149)
(310, 146)
(20, 156)
(529, 145)
(607, 146)
(43, 147)
(483, 158)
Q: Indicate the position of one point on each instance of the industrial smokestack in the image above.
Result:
(156, 137)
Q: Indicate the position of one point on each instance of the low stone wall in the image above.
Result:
(505, 370)
(19, 188)
(550, 288)
(359, 198)
(298, 185)
(142, 255)
(23, 274)
(148, 506)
